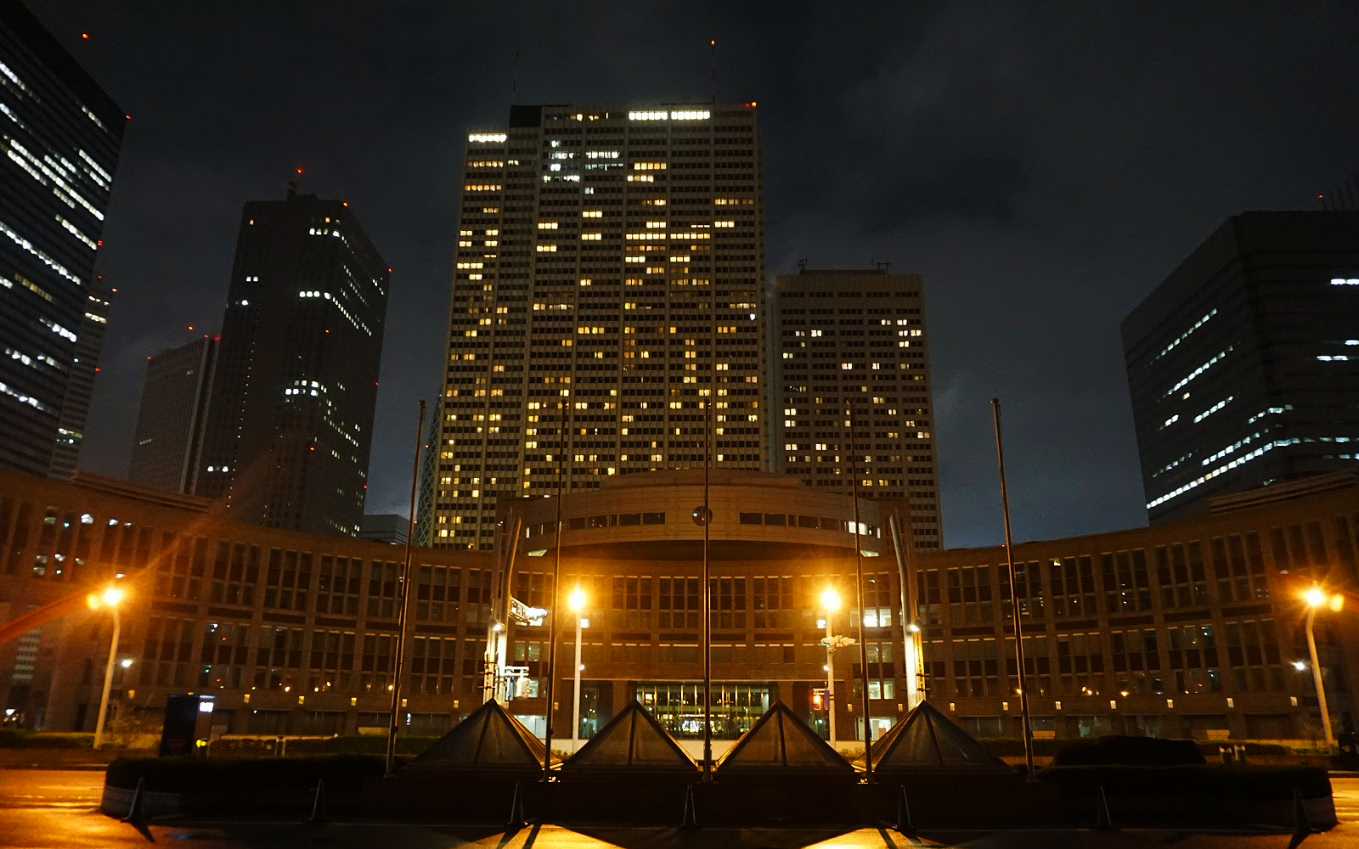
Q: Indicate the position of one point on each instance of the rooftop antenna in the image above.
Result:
(882, 265)
(802, 266)
(712, 65)
(292, 182)
(514, 80)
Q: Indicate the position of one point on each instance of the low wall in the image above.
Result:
(922, 800)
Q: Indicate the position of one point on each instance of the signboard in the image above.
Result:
(522, 614)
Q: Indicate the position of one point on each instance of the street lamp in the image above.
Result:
(576, 602)
(1316, 598)
(111, 597)
(830, 600)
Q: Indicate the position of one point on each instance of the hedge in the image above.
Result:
(364, 744)
(198, 775)
(13, 738)
(1252, 783)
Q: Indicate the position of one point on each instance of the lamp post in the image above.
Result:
(111, 597)
(830, 600)
(1316, 598)
(576, 602)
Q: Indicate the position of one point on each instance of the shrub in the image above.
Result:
(1243, 783)
(199, 775)
(1210, 748)
(1013, 747)
(17, 739)
(1131, 751)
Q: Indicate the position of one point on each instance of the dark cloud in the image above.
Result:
(1043, 165)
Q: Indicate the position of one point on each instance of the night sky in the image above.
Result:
(1043, 168)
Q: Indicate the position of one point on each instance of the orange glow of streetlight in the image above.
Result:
(830, 600)
(575, 601)
(1317, 597)
(110, 597)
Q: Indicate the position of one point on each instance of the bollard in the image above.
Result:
(318, 804)
(904, 823)
(1103, 822)
(689, 817)
(136, 812)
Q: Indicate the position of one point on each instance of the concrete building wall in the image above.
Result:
(1198, 622)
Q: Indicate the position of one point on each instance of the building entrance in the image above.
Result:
(678, 706)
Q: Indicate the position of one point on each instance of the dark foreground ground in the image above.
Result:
(54, 809)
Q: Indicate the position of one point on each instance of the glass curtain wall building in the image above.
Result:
(1244, 364)
(606, 314)
(61, 134)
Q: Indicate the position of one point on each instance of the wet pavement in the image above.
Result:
(57, 809)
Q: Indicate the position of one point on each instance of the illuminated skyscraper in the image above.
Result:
(291, 412)
(61, 135)
(1244, 363)
(608, 285)
(75, 406)
(851, 348)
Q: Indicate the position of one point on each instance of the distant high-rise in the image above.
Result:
(168, 441)
(1244, 363)
(61, 135)
(609, 271)
(293, 398)
(855, 341)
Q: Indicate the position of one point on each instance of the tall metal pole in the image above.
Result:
(113, 651)
(910, 632)
(403, 616)
(863, 611)
(575, 711)
(1316, 679)
(556, 601)
(830, 680)
(707, 534)
(1014, 597)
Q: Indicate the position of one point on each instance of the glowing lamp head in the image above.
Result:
(126, 663)
(576, 600)
(1299, 665)
(1314, 597)
(110, 597)
(830, 600)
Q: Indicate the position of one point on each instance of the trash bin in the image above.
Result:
(1225, 752)
(1240, 753)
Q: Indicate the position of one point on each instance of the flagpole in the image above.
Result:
(1014, 598)
(403, 617)
(859, 572)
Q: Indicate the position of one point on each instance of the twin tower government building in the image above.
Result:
(1192, 627)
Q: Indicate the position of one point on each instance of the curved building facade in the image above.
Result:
(1185, 629)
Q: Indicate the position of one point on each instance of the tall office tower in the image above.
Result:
(75, 406)
(292, 402)
(1244, 363)
(60, 135)
(854, 341)
(609, 271)
(168, 444)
